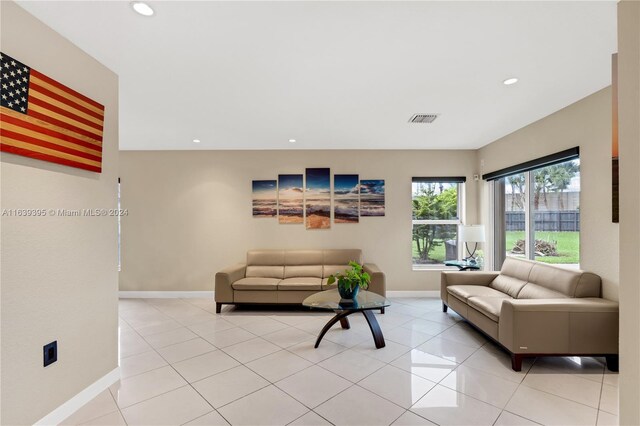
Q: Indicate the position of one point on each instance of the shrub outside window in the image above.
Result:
(436, 208)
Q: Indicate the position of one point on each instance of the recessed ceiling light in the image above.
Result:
(142, 8)
(292, 140)
(510, 81)
(196, 140)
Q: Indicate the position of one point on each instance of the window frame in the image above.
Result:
(498, 183)
(460, 181)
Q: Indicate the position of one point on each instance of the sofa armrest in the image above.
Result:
(448, 278)
(224, 279)
(560, 326)
(378, 282)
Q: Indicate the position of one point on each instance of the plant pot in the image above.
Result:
(348, 293)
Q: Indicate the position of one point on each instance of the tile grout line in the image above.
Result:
(600, 400)
(168, 365)
(206, 414)
(183, 378)
(316, 363)
(521, 384)
(313, 364)
(520, 415)
(562, 397)
(355, 383)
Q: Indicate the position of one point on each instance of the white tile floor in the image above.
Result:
(183, 364)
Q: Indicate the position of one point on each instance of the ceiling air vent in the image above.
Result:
(423, 118)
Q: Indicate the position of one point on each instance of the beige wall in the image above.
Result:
(629, 107)
(190, 212)
(59, 274)
(587, 124)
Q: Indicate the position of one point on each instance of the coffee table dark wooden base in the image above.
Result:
(341, 316)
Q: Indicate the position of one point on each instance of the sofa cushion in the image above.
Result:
(303, 257)
(483, 322)
(333, 269)
(265, 271)
(256, 283)
(464, 292)
(535, 291)
(508, 285)
(326, 286)
(303, 271)
(570, 282)
(300, 283)
(489, 306)
(517, 268)
(265, 257)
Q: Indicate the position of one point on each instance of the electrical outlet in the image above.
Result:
(50, 353)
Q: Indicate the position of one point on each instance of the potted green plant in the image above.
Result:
(351, 280)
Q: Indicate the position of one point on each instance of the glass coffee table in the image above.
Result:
(463, 265)
(364, 302)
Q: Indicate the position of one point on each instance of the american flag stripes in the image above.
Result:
(43, 119)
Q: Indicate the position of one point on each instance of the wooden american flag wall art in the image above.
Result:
(41, 118)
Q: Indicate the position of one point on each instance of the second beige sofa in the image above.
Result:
(287, 276)
(535, 309)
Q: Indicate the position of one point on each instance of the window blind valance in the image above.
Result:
(547, 160)
(451, 179)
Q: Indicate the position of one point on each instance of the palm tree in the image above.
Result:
(517, 191)
(560, 176)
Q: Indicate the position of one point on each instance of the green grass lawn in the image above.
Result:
(568, 246)
(437, 254)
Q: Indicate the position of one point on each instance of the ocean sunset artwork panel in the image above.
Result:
(318, 198)
(265, 202)
(346, 199)
(372, 197)
(290, 199)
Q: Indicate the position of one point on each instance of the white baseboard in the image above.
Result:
(58, 415)
(165, 294)
(421, 293)
(209, 294)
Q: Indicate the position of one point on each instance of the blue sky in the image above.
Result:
(345, 184)
(372, 187)
(318, 179)
(264, 187)
(289, 181)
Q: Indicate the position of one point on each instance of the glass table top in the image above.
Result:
(330, 299)
(462, 264)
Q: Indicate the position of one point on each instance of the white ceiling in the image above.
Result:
(339, 75)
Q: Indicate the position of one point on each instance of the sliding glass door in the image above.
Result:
(515, 203)
(555, 207)
(537, 215)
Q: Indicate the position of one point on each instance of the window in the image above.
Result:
(537, 212)
(436, 216)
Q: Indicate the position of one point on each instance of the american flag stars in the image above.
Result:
(44, 119)
(15, 81)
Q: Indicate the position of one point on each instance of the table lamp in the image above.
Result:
(471, 234)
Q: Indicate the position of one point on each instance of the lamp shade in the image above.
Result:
(471, 233)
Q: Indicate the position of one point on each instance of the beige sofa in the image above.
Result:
(287, 276)
(534, 309)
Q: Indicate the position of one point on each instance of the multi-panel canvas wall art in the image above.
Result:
(372, 197)
(318, 198)
(290, 199)
(295, 198)
(346, 199)
(265, 202)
